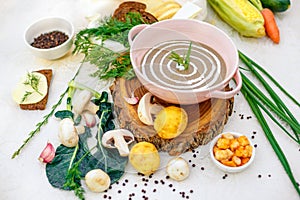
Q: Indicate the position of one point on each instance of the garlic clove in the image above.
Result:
(47, 154)
(131, 100)
(90, 119)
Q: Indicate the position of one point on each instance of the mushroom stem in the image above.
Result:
(118, 138)
(122, 146)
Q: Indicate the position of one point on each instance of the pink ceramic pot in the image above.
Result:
(144, 37)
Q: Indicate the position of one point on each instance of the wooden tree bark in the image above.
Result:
(206, 119)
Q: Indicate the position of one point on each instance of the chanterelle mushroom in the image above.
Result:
(118, 138)
(146, 109)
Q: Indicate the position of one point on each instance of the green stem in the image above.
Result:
(294, 125)
(81, 86)
(248, 62)
(99, 138)
(187, 58)
(270, 137)
(73, 156)
(40, 124)
(251, 95)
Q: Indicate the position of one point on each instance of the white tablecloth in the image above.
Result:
(24, 177)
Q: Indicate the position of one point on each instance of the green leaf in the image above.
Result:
(57, 170)
(61, 114)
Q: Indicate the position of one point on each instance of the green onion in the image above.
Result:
(270, 137)
(246, 59)
(264, 99)
(257, 101)
(280, 108)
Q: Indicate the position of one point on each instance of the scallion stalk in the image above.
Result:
(246, 60)
(281, 106)
(266, 101)
(257, 101)
(252, 95)
(257, 112)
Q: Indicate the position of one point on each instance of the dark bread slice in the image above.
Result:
(41, 105)
(131, 6)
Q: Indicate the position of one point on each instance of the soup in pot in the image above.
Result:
(206, 67)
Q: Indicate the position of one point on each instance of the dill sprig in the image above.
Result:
(33, 81)
(107, 60)
(26, 95)
(182, 60)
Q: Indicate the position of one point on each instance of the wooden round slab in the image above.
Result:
(206, 119)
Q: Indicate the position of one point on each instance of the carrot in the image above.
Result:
(271, 27)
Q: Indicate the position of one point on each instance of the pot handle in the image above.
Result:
(134, 31)
(228, 94)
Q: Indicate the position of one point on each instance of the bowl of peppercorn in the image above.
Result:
(50, 38)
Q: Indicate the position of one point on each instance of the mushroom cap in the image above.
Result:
(144, 109)
(108, 137)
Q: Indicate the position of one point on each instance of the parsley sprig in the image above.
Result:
(182, 60)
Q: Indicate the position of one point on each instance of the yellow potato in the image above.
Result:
(170, 122)
(144, 157)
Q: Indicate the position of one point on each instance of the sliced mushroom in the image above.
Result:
(118, 138)
(146, 108)
(82, 102)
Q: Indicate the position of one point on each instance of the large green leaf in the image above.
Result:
(108, 160)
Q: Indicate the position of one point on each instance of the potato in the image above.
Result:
(144, 157)
(170, 122)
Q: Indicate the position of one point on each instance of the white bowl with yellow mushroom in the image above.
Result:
(232, 152)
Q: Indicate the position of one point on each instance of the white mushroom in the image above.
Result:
(146, 109)
(97, 180)
(178, 169)
(82, 102)
(67, 134)
(118, 138)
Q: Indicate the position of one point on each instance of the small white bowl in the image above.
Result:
(47, 25)
(227, 168)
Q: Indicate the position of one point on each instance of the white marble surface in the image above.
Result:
(24, 178)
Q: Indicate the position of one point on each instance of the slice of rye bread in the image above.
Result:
(131, 6)
(41, 105)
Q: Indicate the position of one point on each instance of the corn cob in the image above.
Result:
(241, 15)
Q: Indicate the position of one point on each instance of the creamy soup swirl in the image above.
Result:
(205, 70)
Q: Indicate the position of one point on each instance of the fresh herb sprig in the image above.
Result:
(33, 81)
(110, 64)
(182, 60)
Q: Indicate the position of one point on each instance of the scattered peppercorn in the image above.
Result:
(49, 40)
(259, 176)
